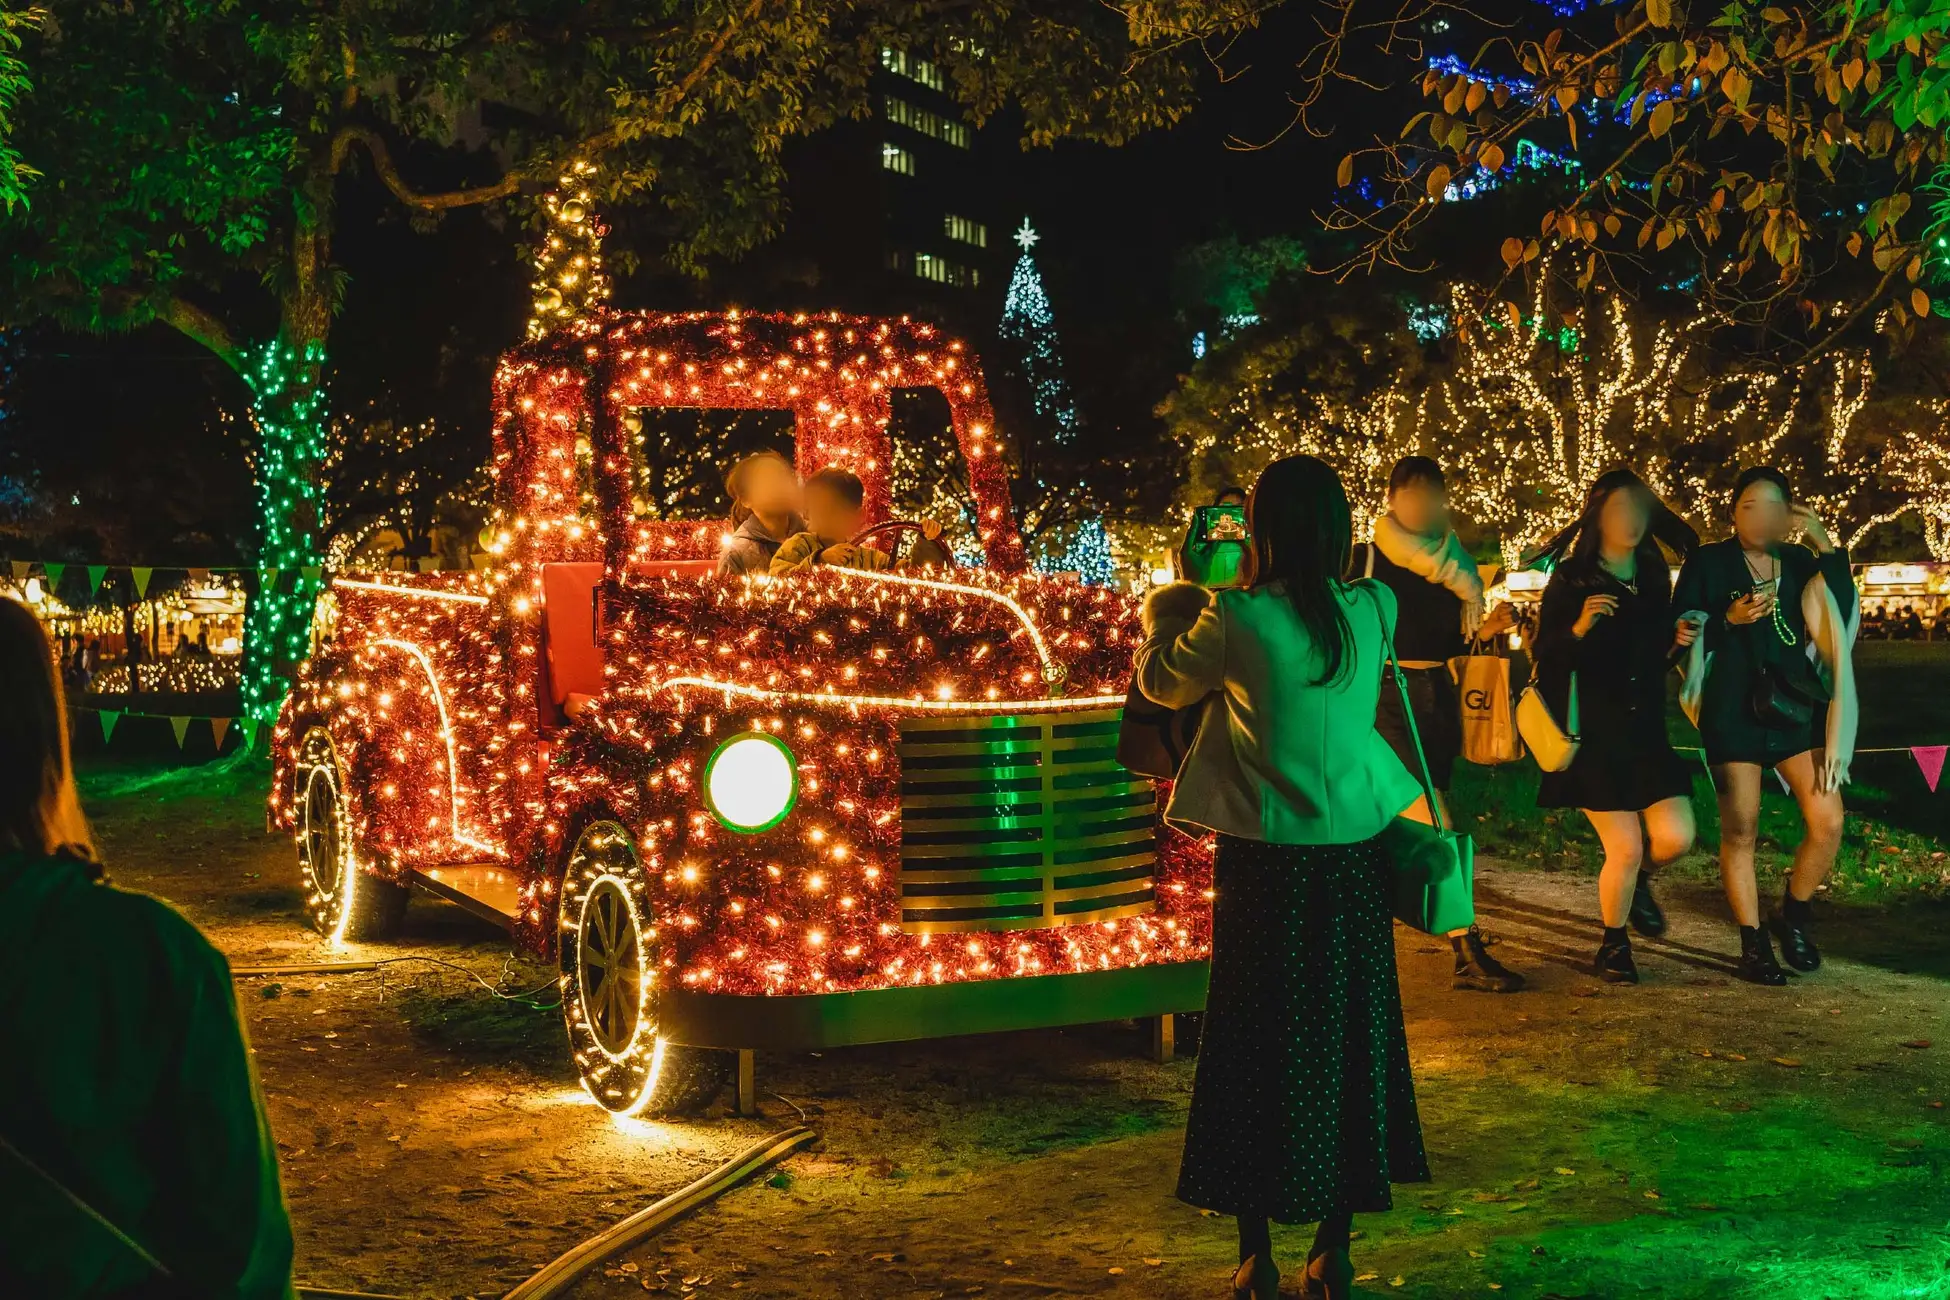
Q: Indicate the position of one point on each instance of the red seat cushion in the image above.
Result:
(574, 661)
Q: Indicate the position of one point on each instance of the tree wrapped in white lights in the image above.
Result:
(1527, 406)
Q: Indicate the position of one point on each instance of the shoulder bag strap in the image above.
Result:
(1408, 710)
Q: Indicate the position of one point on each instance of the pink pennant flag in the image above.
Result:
(1930, 759)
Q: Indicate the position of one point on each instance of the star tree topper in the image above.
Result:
(1026, 236)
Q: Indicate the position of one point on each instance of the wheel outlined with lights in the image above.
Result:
(608, 955)
(342, 900)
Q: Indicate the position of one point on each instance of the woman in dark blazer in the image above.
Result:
(1771, 608)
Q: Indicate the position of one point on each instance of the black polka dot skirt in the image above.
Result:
(1303, 1105)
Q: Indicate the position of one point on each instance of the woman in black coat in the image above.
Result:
(1608, 633)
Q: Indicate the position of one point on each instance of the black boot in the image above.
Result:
(1476, 969)
(1797, 940)
(1757, 962)
(1647, 917)
(1614, 964)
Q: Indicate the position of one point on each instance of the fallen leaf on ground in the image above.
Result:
(887, 1257)
(627, 1268)
(1397, 1280)
(1476, 1254)
(1735, 1056)
(1115, 1271)
(1790, 1062)
(1367, 1277)
(1918, 1043)
(1652, 1196)
(1154, 1263)
(1563, 1171)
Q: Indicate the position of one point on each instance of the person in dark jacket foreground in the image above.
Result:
(135, 1159)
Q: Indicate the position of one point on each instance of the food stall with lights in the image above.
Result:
(744, 813)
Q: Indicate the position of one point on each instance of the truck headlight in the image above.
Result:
(751, 782)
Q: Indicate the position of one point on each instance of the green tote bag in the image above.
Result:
(1434, 884)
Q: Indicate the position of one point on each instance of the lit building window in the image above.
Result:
(943, 271)
(914, 118)
(914, 68)
(896, 159)
(968, 232)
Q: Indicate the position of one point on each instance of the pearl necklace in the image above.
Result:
(1782, 631)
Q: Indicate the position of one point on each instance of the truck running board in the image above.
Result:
(490, 892)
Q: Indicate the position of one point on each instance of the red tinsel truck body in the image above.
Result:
(804, 811)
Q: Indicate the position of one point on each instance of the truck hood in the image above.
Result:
(959, 642)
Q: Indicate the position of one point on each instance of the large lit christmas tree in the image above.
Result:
(1029, 347)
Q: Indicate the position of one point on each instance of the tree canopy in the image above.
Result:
(202, 145)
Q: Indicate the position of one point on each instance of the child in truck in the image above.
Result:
(834, 499)
(765, 505)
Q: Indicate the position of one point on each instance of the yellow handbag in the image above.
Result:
(1555, 748)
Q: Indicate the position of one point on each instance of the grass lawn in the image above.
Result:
(1892, 846)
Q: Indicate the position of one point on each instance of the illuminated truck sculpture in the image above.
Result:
(796, 812)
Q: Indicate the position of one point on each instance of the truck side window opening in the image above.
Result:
(679, 454)
(930, 476)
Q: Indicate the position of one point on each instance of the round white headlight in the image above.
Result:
(751, 782)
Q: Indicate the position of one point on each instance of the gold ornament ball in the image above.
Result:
(549, 299)
(573, 212)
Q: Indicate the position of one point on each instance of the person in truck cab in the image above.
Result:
(765, 505)
(835, 501)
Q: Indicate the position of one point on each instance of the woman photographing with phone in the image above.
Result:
(1760, 702)
(1303, 1109)
(1607, 631)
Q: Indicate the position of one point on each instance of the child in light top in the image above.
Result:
(834, 500)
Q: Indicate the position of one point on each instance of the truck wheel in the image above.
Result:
(609, 988)
(343, 901)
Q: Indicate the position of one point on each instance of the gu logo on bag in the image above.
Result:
(1489, 722)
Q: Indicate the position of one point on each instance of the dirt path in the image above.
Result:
(1692, 1137)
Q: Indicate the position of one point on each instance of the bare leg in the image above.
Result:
(1739, 790)
(1669, 825)
(1821, 816)
(1624, 840)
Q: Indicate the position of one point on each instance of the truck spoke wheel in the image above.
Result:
(609, 988)
(342, 901)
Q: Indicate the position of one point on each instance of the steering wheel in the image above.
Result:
(901, 530)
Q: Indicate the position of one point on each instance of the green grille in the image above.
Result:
(1020, 822)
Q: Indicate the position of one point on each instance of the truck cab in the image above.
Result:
(744, 812)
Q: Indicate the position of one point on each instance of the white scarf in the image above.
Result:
(1441, 560)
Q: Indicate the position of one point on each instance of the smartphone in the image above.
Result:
(1221, 524)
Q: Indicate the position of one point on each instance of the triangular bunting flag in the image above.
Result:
(109, 717)
(141, 577)
(54, 572)
(181, 726)
(267, 579)
(1930, 759)
(218, 726)
(21, 569)
(312, 573)
(96, 572)
(250, 733)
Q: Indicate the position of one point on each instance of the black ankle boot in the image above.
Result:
(1797, 941)
(1757, 962)
(1614, 964)
(1476, 969)
(1647, 917)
